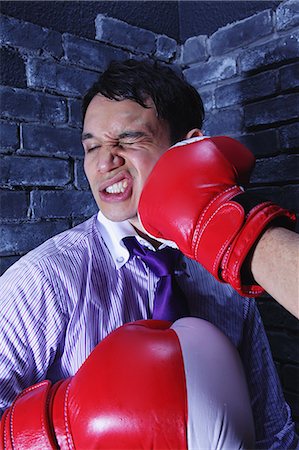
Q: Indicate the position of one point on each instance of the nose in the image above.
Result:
(109, 159)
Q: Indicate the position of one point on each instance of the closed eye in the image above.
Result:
(127, 143)
(90, 149)
(131, 137)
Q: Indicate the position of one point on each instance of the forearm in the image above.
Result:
(275, 266)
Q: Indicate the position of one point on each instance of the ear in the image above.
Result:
(195, 132)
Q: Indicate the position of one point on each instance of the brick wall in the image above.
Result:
(245, 73)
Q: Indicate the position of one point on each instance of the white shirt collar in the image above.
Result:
(113, 233)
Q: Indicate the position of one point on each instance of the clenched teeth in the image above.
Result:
(117, 188)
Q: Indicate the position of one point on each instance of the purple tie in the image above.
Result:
(169, 302)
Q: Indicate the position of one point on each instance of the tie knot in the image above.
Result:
(161, 262)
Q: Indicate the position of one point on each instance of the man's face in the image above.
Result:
(122, 142)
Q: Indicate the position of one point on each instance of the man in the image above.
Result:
(63, 298)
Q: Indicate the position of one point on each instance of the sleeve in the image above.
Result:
(274, 427)
(31, 328)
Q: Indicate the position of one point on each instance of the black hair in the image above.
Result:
(176, 101)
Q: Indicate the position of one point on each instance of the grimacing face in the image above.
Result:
(122, 141)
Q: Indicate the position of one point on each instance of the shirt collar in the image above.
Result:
(113, 234)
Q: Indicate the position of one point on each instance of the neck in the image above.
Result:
(156, 244)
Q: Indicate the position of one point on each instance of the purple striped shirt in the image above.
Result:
(65, 296)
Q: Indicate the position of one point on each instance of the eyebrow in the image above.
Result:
(124, 135)
(86, 136)
(131, 134)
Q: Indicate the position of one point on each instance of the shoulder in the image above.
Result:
(74, 239)
(219, 303)
(62, 249)
(207, 286)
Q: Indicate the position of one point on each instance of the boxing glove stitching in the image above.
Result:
(198, 234)
(231, 270)
(6, 422)
(225, 244)
(232, 275)
(21, 395)
(222, 194)
(68, 433)
(197, 231)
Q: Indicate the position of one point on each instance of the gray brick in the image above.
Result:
(273, 52)
(26, 171)
(223, 122)
(289, 76)
(289, 197)
(207, 96)
(165, 48)
(194, 50)
(273, 110)
(262, 143)
(18, 33)
(229, 94)
(89, 53)
(269, 193)
(290, 374)
(52, 140)
(12, 68)
(23, 237)
(176, 68)
(210, 71)
(60, 204)
(75, 113)
(286, 196)
(31, 106)
(77, 220)
(289, 136)
(119, 33)
(59, 77)
(278, 169)
(81, 181)
(284, 347)
(13, 204)
(6, 262)
(287, 14)
(252, 88)
(9, 136)
(240, 33)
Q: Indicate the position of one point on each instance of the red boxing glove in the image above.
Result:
(193, 198)
(148, 385)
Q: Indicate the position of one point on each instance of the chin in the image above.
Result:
(118, 217)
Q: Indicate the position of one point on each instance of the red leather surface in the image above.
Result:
(26, 424)
(129, 394)
(189, 198)
(184, 182)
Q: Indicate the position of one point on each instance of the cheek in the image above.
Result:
(85, 168)
(145, 163)
(144, 170)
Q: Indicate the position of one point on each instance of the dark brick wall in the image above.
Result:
(177, 19)
(246, 74)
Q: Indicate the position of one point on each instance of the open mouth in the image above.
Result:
(119, 190)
